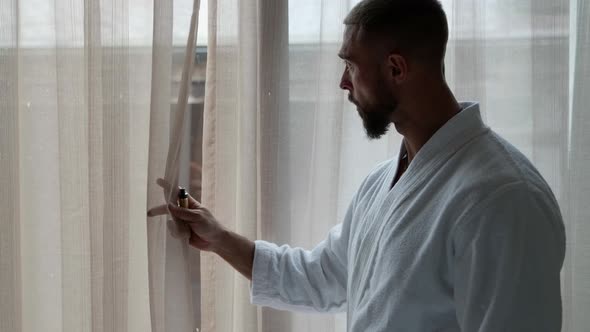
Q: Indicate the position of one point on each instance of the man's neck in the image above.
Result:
(424, 117)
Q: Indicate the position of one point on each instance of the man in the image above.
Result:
(458, 233)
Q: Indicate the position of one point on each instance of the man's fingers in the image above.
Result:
(163, 183)
(182, 213)
(193, 203)
(175, 210)
(158, 211)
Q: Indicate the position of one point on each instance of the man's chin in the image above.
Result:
(375, 125)
(375, 133)
(374, 137)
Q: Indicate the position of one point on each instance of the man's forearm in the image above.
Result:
(238, 251)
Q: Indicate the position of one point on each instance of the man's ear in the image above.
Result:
(398, 67)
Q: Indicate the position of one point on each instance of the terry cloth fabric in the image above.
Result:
(469, 239)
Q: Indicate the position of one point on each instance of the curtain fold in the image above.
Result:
(93, 68)
(159, 124)
(232, 81)
(10, 192)
(171, 297)
(577, 183)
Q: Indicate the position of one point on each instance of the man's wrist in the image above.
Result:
(236, 250)
(223, 242)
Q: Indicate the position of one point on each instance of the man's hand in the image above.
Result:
(206, 231)
(208, 234)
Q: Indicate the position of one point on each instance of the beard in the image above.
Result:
(376, 118)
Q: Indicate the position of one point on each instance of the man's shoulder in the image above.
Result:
(485, 168)
(492, 161)
(500, 186)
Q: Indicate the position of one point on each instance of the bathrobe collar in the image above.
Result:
(452, 136)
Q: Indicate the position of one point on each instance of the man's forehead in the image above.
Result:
(348, 41)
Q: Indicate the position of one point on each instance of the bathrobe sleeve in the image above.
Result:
(508, 256)
(301, 280)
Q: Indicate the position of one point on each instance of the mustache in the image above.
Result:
(350, 99)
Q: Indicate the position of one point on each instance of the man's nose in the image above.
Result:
(345, 81)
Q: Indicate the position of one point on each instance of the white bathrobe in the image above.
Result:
(469, 239)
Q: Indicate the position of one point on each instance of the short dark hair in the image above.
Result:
(417, 28)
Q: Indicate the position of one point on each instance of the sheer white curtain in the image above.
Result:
(284, 151)
(84, 106)
(74, 118)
